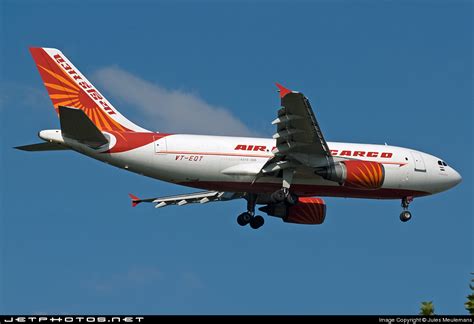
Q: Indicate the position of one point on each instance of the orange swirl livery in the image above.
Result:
(364, 174)
(66, 86)
(307, 211)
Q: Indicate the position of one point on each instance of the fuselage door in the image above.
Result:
(160, 144)
(419, 163)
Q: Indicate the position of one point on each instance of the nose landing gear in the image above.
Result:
(405, 215)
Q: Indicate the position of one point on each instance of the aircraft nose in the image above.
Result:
(454, 178)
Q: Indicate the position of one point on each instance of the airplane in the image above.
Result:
(285, 174)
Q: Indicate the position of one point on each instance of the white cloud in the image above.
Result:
(16, 94)
(169, 110)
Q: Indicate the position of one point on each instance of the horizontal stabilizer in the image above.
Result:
(76, 125)
(47, 146)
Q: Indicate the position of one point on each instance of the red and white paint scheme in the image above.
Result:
(283, 173)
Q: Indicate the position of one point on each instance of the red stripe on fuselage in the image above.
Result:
(215, 153)
(248, 155)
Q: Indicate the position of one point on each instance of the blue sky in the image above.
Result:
(396, 72)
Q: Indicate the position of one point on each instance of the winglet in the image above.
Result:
(135, 200)
(283, 91)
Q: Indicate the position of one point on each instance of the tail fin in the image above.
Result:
(68, 87)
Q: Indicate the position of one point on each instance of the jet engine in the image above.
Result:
(305, 211)
(356, 174)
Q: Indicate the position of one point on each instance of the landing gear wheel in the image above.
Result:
(257, 222)
(292, 199)
(278, 196)
(244, 218)
(284, 195)
(405, 216)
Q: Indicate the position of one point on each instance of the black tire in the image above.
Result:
(292, 199)
(405, 216)
(278, 196)
(243, 219)
(257, 222)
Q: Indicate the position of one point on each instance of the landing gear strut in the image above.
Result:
(249, 216)
(284, 194)
(405, 215)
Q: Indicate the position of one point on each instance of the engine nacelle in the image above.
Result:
(366, 175)
(306, 211)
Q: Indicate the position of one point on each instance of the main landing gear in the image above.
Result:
(249, 216)
(284, 195)
(405, 215)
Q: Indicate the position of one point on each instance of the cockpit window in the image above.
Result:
(442, 163)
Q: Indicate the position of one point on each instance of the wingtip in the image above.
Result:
(283, 91)
(135, 199)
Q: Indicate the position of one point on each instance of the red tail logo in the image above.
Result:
(68, 87)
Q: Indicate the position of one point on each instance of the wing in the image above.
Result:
(299, 139)
(201, 197)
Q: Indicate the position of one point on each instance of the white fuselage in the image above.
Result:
(231, 164)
